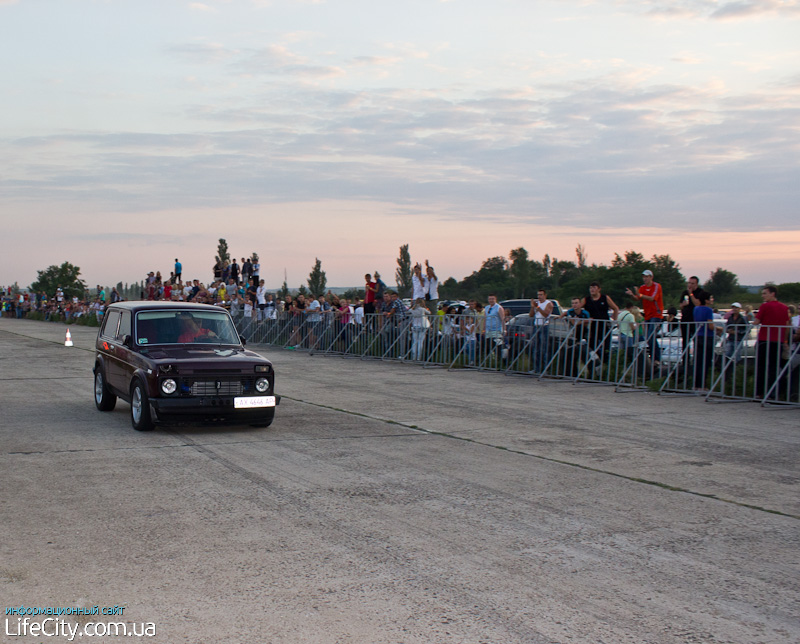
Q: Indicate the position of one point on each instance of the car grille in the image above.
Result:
(219, 387)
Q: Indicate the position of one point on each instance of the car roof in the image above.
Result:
(164, 306)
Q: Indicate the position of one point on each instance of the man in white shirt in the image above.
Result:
(314, 313)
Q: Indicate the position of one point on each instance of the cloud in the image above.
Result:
(202, 53)
(601, 152)
(199, 6)
(714, 9)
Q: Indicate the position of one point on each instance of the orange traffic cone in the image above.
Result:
(68, 341)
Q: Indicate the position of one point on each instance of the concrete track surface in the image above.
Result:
(394, 504)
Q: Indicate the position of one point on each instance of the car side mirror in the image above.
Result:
(127, 341)
(242, 340)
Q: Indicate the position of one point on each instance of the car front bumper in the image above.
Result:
(208, 408)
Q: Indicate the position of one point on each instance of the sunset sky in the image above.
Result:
(134, 132)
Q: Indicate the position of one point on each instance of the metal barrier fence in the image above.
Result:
(717, 361)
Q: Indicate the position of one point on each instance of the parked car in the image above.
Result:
(174, 361)
(518, 307)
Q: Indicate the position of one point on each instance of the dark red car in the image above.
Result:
(175, 362)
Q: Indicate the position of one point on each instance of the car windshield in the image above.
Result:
(185, 327)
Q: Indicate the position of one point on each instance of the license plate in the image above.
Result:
(251, 402)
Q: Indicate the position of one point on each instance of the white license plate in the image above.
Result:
(251, 402)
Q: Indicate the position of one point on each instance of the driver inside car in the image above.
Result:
(191, 331)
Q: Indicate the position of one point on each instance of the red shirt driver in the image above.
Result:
(191, 331)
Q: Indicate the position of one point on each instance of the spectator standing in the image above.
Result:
(418, 328)
(247, 269)
(380, 292)
(541, 309)
(178, 270)
(314, 312)
(628, 326)
(495, 323)
(736, 327)
(704, 335)
(598, 305)
(689, 300)
(234, 271)
(256, 268)
(579, 319)
(417, 283)
(651, 295)
(261, 298)
(773, 317)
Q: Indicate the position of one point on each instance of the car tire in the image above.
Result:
(266, 421)
(141, 419)
(104, 400)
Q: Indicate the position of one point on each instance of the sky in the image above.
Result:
(135, 132)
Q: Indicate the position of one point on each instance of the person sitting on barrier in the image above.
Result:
(370, 288)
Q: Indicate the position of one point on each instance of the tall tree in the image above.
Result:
(283, 291)
(520, 270)
(66, 276)
(580, 252)
(222, 252)
(317, 280)
(547, 264)
(722, 283)
(403, 272)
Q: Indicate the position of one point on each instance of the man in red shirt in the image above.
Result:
(773, 317)
(651, 295)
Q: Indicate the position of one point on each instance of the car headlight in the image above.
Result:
(169, 386)
(262, 384)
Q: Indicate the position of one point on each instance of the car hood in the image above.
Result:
(208, 356)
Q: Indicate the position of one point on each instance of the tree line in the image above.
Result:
(515, 276)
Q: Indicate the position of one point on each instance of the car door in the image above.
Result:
(108, 336)
(125, 353)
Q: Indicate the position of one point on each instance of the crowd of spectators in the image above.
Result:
(643, 318)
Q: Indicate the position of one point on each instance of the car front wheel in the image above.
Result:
(266, 421)
(104, 400)
(140, 408)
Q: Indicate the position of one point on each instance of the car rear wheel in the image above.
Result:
(104, 400)
(140, 408)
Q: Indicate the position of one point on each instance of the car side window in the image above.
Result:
(110, 324)
(124, 326)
